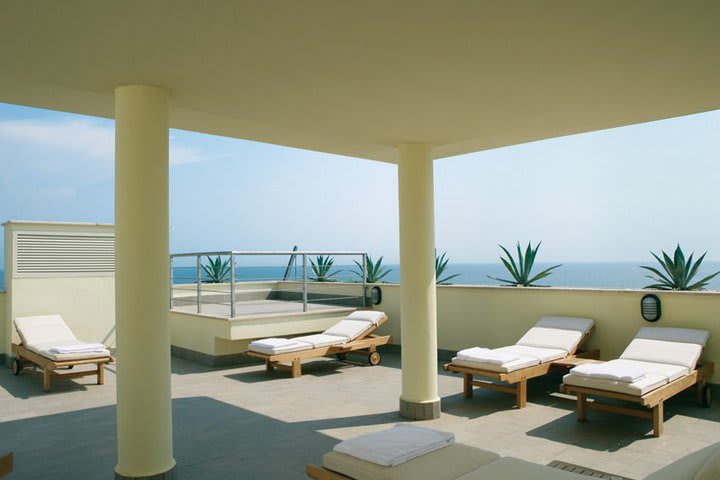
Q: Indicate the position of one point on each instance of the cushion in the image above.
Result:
(42, 349)
(661, 351)
(267, 350)
(556, 338)
(371, 316)
(350, 329)
(522, 362)
(542, 354)
(687, 467)
(445, 464)
(510, 468)
(638, 388)
(683, 335)
(44, 329)
(321, 340)
(567, 323)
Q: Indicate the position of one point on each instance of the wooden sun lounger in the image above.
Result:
(23, 355)
(292, 360)
(515, 382)
(653, 400)
(6, 464)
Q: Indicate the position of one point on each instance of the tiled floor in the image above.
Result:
(243, 423)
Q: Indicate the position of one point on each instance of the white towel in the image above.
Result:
(81, 348)
(273, 343)
(395, 446)
(608, 371)
(485, 355)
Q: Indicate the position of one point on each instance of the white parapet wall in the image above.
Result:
(63, 268)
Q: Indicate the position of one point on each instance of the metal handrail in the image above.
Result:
(235, 253)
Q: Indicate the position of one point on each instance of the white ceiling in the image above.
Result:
(358, 78)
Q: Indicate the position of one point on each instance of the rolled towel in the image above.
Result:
(485, 355)
(78, 348)
(273, 343)
(609, 371)
(395, 446)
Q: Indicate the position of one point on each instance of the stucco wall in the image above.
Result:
(3, 297)
(497, 316)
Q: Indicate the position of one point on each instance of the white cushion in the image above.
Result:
(691, 466)
(510, 468)
(43, 349)
(321, 340)
(350, 329)
(661, 351)
(562, 333)
(521, 362)
(638, 388)
(277, 350)
(669, 334)
(44, 330)
(542, 354)
(371, 316)
(445, 464)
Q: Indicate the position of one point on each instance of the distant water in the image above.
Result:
(580, 275)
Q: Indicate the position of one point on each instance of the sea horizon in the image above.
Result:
(608, 275)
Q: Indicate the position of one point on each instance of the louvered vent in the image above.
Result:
(48, 254)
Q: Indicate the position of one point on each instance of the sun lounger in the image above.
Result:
(353, 334)
(552, 342)
(658, 364)
(47, 342)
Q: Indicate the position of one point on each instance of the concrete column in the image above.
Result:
(419, 399)
(144, 417)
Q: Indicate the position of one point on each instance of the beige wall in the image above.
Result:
(86, 302)
(497, 316)
(3, 299)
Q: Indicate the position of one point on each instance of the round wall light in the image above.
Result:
(650, 307)
(376, 295)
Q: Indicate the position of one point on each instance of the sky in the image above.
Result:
(606, 196)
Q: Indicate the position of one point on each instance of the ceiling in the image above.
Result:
(358, 78)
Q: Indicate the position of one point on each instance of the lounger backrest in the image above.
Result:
(356, 324)
(672, 346)
(44, 330)
(562, 333)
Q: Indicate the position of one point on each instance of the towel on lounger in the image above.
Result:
(608, 371)
(485, 355)
(273, 343)
(81, 348)
(395, 446)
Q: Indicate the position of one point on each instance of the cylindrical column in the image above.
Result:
(144, 418)
(419, 399)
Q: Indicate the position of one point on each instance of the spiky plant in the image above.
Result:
(521, 270)
(679, 272)
(216, 270)
(441, 264)
(321, 268)
(375, 270)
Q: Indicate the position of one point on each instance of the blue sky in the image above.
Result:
(612, 195)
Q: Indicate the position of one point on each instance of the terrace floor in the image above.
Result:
(243, 423)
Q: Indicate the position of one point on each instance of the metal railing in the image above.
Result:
(215, 291)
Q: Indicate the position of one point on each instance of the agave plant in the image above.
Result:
(375, 271)
(679, 273)
(216, 270)
(441, 264)
(521, 270)
(321, 268)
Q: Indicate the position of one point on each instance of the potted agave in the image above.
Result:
(521, 269)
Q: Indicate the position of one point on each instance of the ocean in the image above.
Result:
(576, 274)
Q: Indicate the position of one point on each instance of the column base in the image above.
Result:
(169, 475)
(420, 410)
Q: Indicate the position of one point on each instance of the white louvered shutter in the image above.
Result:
(65, 254)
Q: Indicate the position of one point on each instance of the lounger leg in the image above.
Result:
(700, 388)
(658, 413)
(46, 379)
(296, 372)
(101, 374)
(467, 385)
(521, 393)
(269, 366)
(581, 407)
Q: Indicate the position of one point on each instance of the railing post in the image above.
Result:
(171, 283)
(364, 287)
(232, 285)
(305, 292)
(199, 284)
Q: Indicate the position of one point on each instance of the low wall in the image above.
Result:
(3, 325)
(497, 316)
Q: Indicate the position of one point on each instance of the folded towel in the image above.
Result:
(608, 371)
(395, 446)
(81, 348)
(273, 343)
(485, 355)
